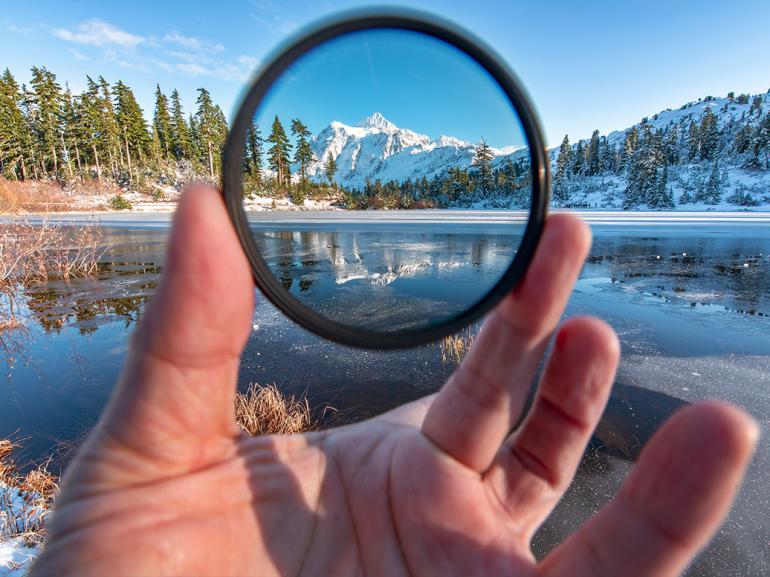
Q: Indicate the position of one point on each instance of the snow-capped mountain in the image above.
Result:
(375, 148)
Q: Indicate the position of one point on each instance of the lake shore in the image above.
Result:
(157, 213)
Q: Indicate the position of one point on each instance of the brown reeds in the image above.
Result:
(51, 196)
(264, 410)
(25, 499)
(454, 347)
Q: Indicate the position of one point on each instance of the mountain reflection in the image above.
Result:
(339, 273)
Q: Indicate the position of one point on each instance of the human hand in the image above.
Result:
(167, 485)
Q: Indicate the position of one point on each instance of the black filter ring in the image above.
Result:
(232, 183)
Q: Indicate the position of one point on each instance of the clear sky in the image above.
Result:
(412, 79)
(586, 64)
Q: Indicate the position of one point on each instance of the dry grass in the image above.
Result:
(25, 500)
(264, 410)
(454, 347)
(51, 196)
(33, 195)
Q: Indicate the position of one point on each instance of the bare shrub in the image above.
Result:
(264, 410)
(52, 196)
(33, 253)
(7, 467)
(38, 252)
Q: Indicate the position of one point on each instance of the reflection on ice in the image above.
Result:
(393, 273)
(391, 278)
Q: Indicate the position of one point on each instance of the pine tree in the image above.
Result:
(15, 141)
(181, 141)
(211, 131)
(742, 139)
(594, 162)
(162, 125)
(330, 167)
(709, 135)
(562, 178)
(423, 188)
(459, 183)
(756, 105)
(712, 192)
(761, 142)
(644, 169)
(155, 151)
(278, 154)
(69, 123)
(663, 196)
(578, 165)
(135, 139)
(630, 142)
(303, 154)
(253, 152)
(46, 102)
(195, 150)
(482, 160)
(693, 141)
(671, 145)
(109, 133)
(90, 126)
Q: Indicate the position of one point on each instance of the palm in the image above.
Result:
(358, 505)
(166, 485)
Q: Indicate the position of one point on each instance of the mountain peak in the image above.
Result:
(377, 120)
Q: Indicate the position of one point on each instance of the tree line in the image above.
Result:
(505, 184)
(47, 132)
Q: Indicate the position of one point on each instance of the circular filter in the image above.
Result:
(388, 180)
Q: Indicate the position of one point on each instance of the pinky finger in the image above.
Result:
(671, 504)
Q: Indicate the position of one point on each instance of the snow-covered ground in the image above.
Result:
(15, 555)
(606, 192)
(141, 203)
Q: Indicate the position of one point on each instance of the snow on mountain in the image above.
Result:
(375, 148)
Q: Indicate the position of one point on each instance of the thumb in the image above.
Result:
(173, 406)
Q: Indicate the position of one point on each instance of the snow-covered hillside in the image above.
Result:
(712, 154)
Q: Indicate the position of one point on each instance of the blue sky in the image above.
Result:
(413, 80)
(586, 64)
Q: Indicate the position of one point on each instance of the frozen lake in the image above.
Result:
(689, 294)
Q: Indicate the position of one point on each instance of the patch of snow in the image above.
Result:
(15, 556)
